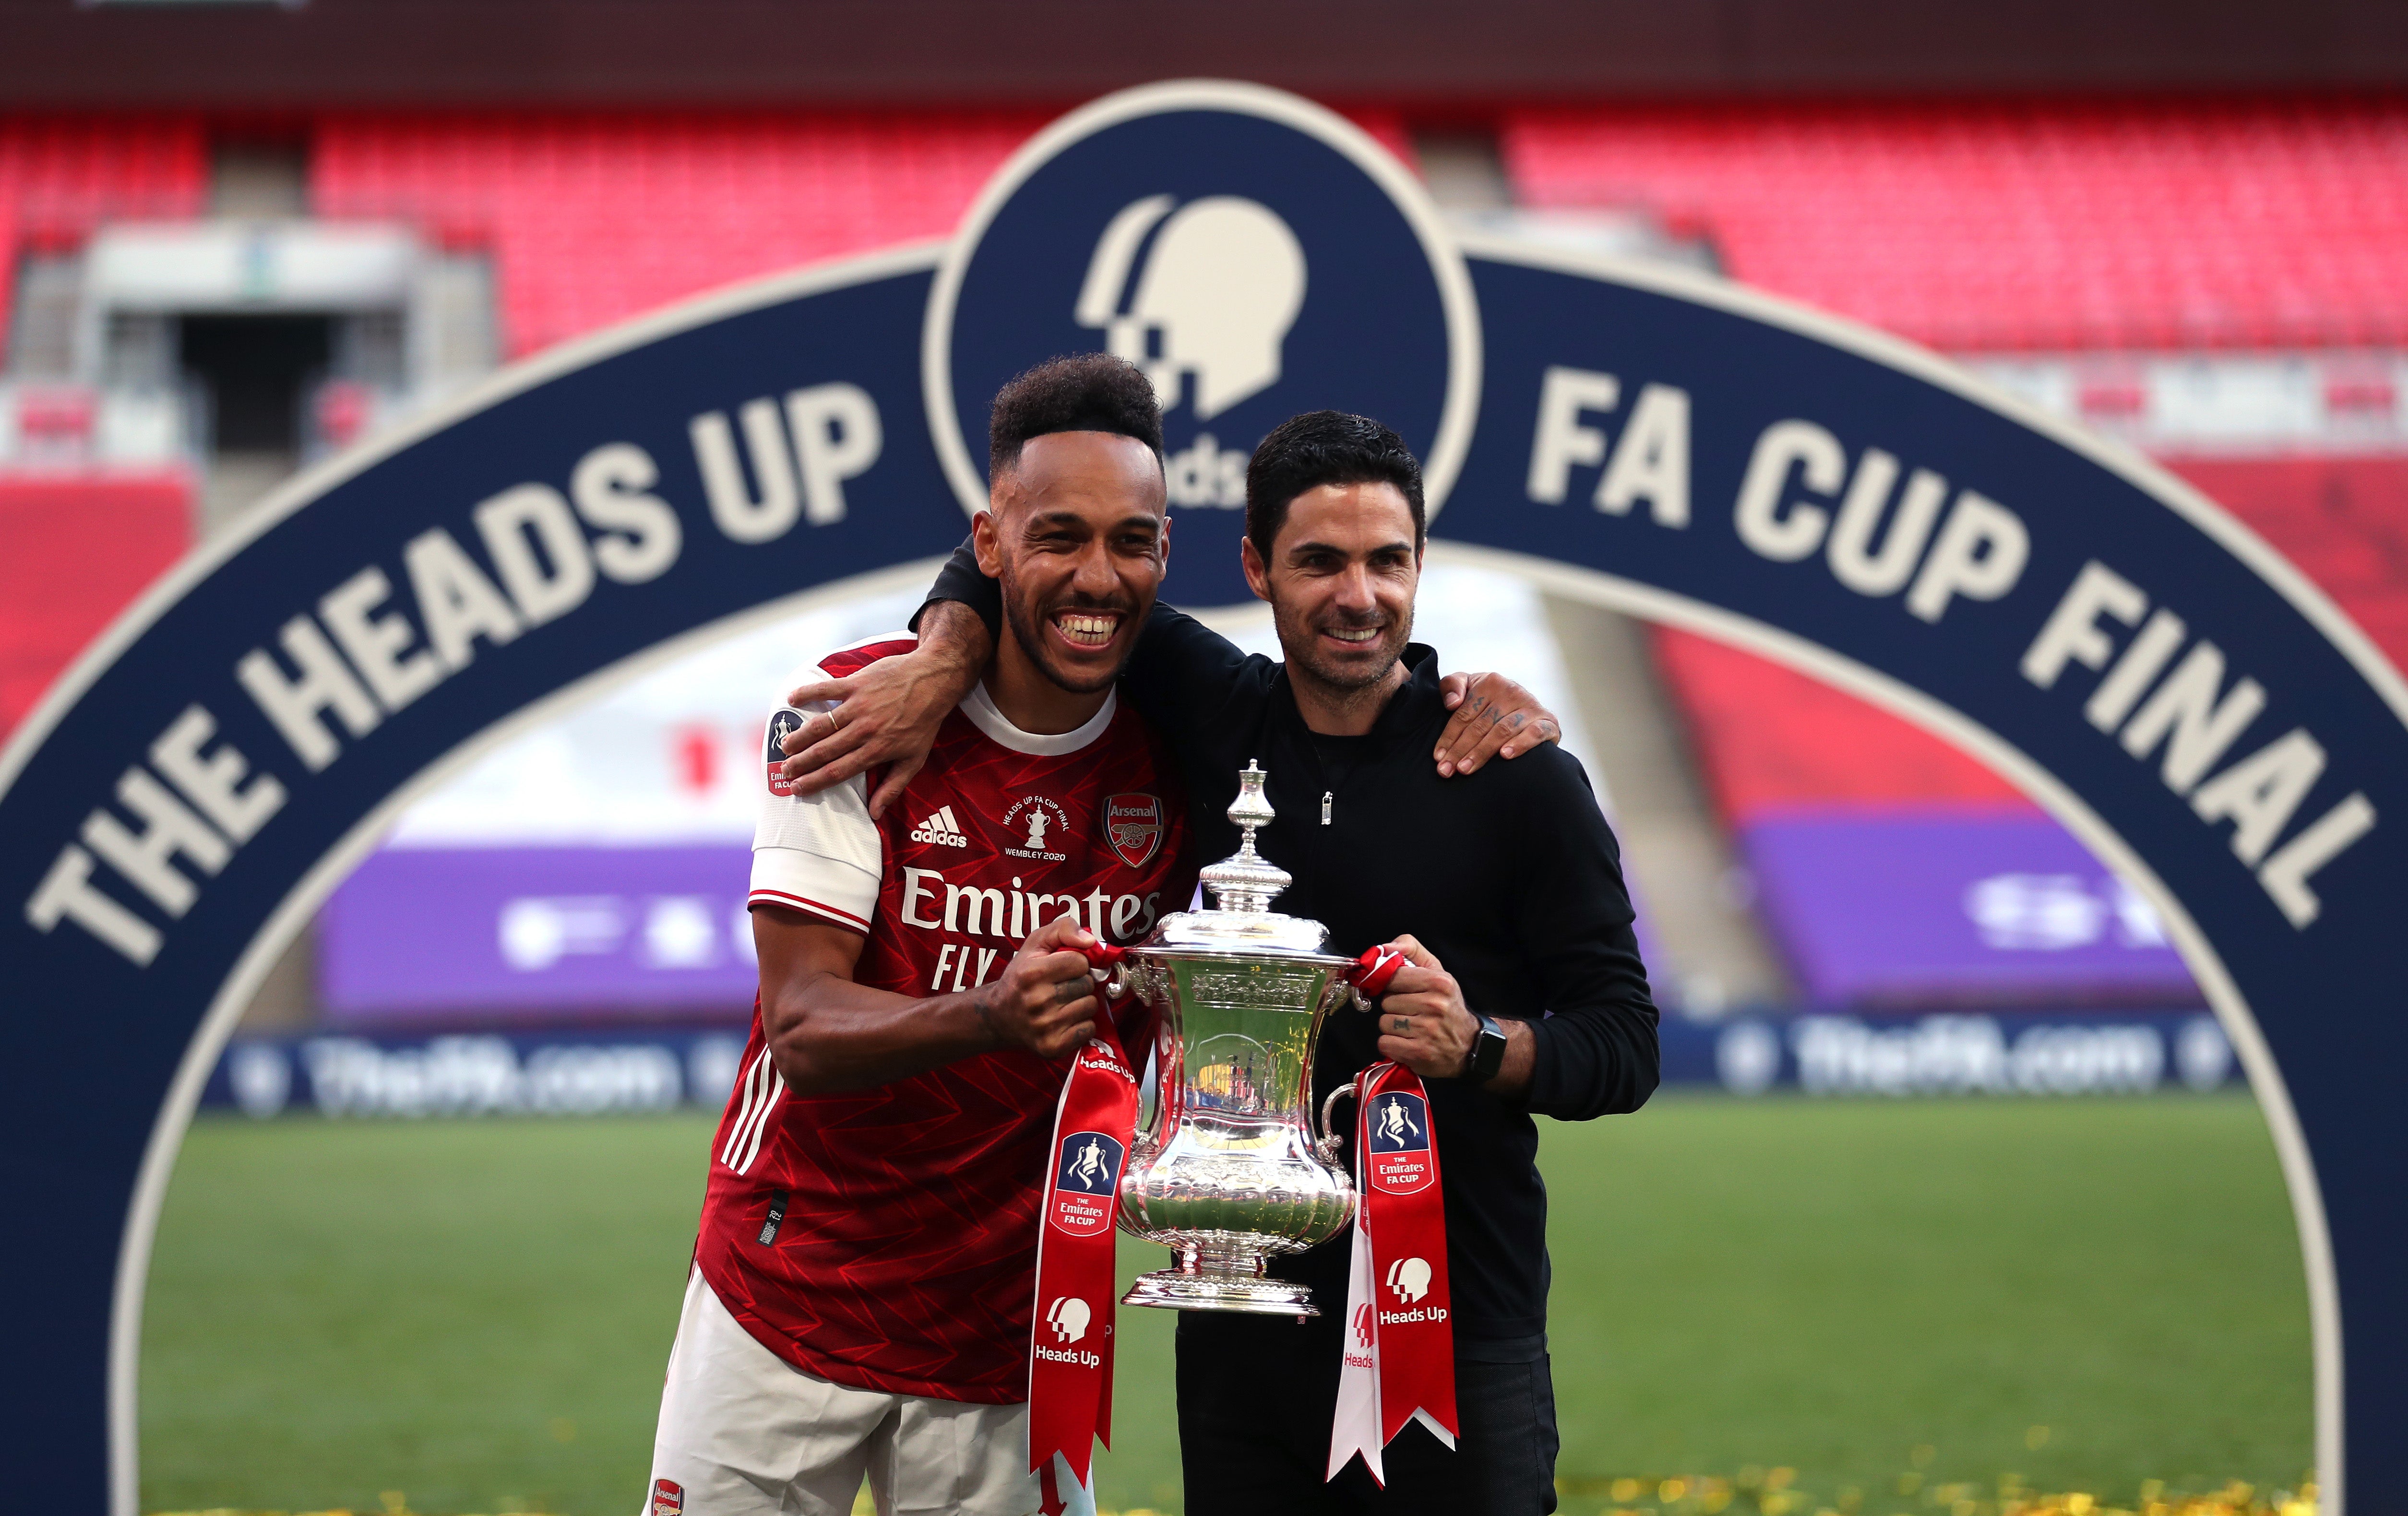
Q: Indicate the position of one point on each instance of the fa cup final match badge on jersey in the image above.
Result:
(1133, 826)
(1037, 825)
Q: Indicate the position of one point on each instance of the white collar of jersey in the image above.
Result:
(981, 708)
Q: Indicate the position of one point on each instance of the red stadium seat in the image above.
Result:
(79, 549)
(2342, 520)
(60, 178)
(1989, 226)
(593, 218)
(1771, 740)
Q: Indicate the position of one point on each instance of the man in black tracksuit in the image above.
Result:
(1526, 997)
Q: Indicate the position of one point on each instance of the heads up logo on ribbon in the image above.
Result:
(1278, 261)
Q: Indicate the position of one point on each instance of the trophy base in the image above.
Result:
(1174, 1289)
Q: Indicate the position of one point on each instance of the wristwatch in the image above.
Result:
(1488, 1055)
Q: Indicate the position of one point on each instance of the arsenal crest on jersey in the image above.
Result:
(1133, 826)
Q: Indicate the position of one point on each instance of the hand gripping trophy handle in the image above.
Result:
(1108, 966)
(1367, 978)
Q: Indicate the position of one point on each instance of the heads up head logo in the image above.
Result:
(1254, 255)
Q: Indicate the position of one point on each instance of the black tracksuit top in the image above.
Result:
(1510, 876)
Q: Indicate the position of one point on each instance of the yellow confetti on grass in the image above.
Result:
(1755, 1492)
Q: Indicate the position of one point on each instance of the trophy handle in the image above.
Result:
(1367, 977)
(1326, 1144)
(1108, 966)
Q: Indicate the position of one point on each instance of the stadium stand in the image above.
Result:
(119, 535)
(593, 218)
(1971, 225)
(1771, 740)
(2344, 520)
(1995, 228)
(60, 178)
(1892, 870)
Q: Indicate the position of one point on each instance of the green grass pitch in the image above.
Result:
(474, 1315)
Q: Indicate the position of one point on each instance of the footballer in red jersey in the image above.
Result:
(860, 1301)
(902, 1259)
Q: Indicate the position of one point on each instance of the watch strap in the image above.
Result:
(1488, 1055)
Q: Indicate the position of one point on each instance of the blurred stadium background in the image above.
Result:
(239, 238)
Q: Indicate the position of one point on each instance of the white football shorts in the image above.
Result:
(744, 1433)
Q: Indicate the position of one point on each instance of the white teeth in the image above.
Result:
(1087, 631)
(1345, 635)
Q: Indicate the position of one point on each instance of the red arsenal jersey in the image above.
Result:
(887, 1238)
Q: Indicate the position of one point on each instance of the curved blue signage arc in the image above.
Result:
(2204, 719)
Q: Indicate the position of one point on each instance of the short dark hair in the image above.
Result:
(1088, 392)
(1326, 447)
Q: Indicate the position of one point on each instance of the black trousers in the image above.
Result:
(1257, 1395)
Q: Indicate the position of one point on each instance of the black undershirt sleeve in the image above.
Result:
(1182, 677)
(960, 579)
(1596, 1051)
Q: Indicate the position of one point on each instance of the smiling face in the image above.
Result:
(1340, 581)
(1076, 535)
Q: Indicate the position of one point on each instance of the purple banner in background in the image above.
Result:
(1928, 908)
(432, 934)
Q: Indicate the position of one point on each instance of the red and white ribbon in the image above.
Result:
(1399, 1337)
(1070, 1347)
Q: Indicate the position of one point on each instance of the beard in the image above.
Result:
(1300, 641)
(1028, 620)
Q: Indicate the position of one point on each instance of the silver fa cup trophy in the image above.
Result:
(1227, 1169)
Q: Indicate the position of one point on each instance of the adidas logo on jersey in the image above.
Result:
(940, 829)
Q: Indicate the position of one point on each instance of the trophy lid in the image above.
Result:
(1239, 919)
(1246, 880)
